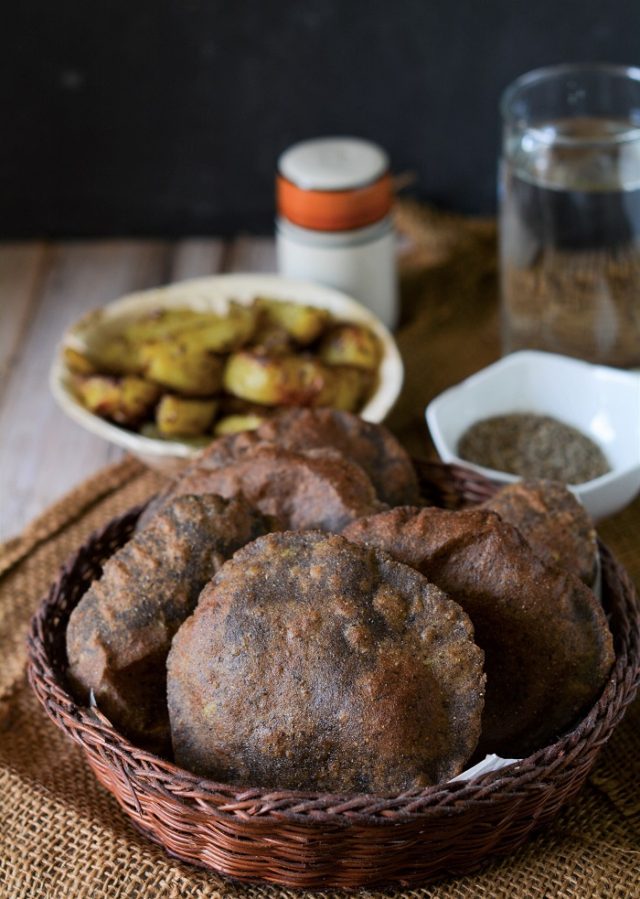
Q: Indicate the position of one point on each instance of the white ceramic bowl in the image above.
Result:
(212, 294)
(603, 403)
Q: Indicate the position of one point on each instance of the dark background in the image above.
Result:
(167, 116)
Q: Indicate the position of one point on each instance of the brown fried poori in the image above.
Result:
(316, 488)
(548, 649)
(371, 446)
(312, 663)
(553, 522)
(119, 634)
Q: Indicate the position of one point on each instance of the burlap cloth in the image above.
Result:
(62, 835)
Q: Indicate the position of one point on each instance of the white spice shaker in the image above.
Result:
(334, 198)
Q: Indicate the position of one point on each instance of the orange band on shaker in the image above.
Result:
(334, 210)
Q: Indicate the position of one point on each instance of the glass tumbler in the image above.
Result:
(570, 213)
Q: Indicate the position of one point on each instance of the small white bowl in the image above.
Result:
(603, 403)
(212, 294)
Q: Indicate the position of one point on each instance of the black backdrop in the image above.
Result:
(167, 116)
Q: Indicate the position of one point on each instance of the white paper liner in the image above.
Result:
(488, 763)
(597, 584)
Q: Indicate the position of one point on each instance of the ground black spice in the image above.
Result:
(533, 446)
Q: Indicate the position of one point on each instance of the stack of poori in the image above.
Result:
(290, 614)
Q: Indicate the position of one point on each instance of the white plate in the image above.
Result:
(212, 294)
(602, 402)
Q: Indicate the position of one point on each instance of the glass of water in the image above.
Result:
(570, 213)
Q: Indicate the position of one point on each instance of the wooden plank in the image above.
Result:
(251, 254)
(196, 258)
(22, 267)
(42, 453)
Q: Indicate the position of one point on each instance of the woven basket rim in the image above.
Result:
(226, 800)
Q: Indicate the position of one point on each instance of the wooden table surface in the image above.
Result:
(44, 287)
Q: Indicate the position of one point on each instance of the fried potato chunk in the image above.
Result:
(234, 424)
(221, 333)
(180, 417)
(346, 389)
(314, 664)
(278, 380)
(150, 429)
(173, 364)
(548, 649)
(303, 323)
(162, 324)
(270, 340)
(351, 345)
(119, 634)
(127, 401)
(77, 362)
(117, 356)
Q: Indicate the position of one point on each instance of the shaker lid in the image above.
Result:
(333, 163)
(334, 184)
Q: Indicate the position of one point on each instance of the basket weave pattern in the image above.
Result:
(318, 840)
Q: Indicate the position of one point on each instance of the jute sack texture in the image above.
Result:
(62, 836)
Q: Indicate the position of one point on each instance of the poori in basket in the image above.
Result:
(372, 446)
(555, 525)
(119, 635)
(369, 446)
(312, 663)
(548, 649)
(316, 488)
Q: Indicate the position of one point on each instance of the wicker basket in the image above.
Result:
(314, 840)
